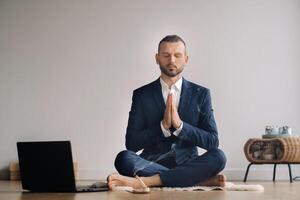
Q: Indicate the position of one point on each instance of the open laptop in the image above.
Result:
(48, 167)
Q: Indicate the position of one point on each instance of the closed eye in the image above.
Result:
(166, 55)
(178, 55)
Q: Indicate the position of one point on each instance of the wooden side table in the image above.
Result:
(272, 151)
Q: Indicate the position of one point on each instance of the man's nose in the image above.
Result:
(172, 59)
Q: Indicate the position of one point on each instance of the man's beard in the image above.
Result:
(170, 73)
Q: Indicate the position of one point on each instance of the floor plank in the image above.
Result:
(12, 190)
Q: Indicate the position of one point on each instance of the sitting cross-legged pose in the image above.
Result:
(168, 120)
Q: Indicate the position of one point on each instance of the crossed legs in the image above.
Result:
(201, 170)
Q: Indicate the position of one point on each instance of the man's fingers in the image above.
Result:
(173, 106)
(169, 100)
(167, 121)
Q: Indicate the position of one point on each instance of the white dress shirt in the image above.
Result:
(175, 90)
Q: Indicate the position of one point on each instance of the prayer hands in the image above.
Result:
(171, 116)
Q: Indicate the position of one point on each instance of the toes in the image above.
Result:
(222, 177)
(111, 186)
(110, 180)
(112, 177)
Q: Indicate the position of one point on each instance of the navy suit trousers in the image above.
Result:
(192, 172)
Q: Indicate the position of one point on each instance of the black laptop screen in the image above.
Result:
(46, 166)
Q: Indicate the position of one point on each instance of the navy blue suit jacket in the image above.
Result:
(147, 111)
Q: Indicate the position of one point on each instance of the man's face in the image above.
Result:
(171, 58)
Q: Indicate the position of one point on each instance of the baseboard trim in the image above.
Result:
(261, 173)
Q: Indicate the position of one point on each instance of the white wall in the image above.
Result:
(68, 68)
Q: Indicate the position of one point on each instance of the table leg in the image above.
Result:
(274, 171)
(246, 174)
(290, 172)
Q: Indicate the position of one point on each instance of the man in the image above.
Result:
(169, 119)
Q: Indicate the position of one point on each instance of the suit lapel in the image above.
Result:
(185, 96)
(157, 93)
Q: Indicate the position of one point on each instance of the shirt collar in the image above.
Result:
(177, 84)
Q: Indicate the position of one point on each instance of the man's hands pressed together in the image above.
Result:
(171, 116)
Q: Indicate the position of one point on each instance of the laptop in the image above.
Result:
(48, 167)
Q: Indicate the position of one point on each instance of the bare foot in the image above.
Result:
(218, 180)
(120, 180)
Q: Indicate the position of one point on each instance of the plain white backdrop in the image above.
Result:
(68, 69)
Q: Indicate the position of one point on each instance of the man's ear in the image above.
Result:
(186, 59)
(156, 58)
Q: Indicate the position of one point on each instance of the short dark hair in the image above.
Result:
(171, 38)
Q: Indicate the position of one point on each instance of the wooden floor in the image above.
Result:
(12, 190)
